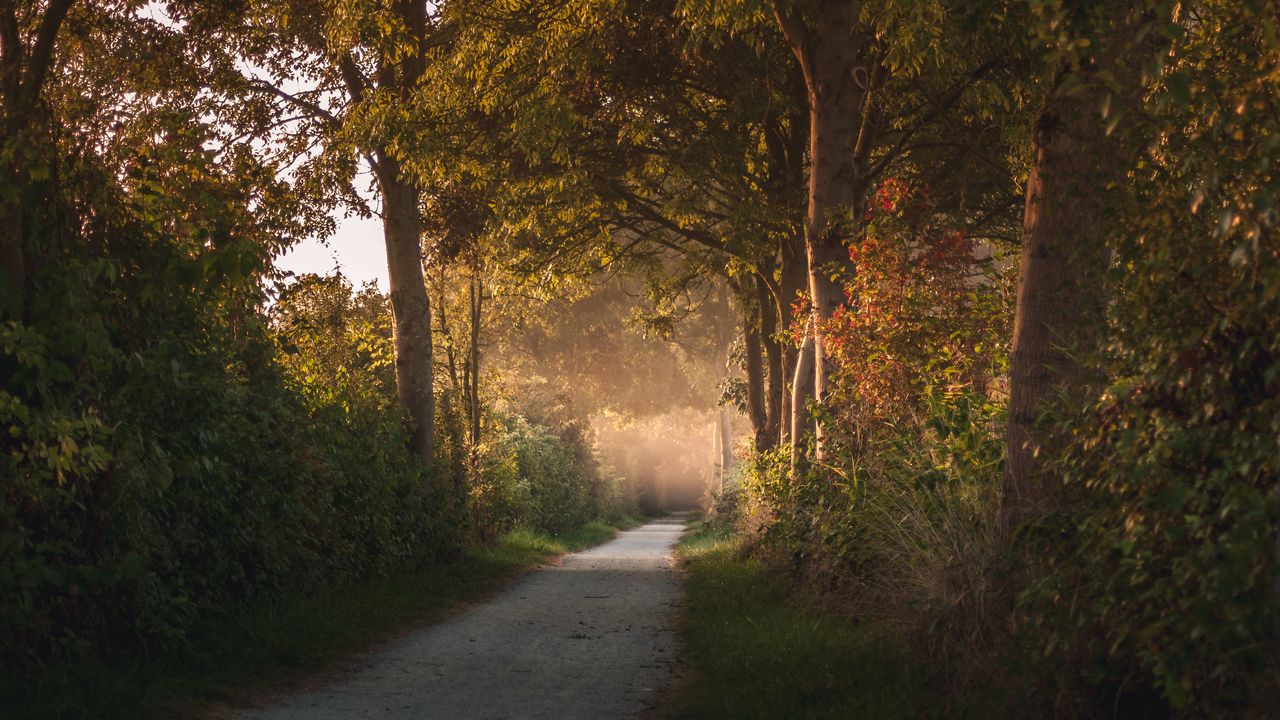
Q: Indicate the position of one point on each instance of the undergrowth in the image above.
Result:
(755, 649)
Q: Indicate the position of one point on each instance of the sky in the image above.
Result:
(356, 248)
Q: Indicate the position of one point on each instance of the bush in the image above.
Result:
(899, 519)
(531, 476)
(164, 459)
(1171, 538)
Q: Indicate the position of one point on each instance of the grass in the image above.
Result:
(263, 645)
(753, 650)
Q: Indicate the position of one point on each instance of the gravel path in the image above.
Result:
(591, 637)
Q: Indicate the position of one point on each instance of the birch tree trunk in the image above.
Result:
(477, 303)
(801, 394)
(724, 425)
(794, 272)
(717, 467)
(757, 410)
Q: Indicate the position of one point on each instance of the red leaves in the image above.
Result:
(907, 304)
(801, 310)
(910, 318)
(891, 195)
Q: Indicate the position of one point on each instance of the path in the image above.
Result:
(591, 637)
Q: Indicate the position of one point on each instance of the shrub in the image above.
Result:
(526, 474)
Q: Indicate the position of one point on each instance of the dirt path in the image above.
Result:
(591, 637)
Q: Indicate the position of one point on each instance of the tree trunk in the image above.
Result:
(795, 277)
(833, 184)
(723, 344)
(717, 457)
(767, 311)
(477, 301)
(13, 268)
(447, 334)
(450, 411)
(25, 63)
(1060, 300)
(828, 54)
(786, 135)
(801, 394)
(757, 411)
(410, 307)
(725, 426)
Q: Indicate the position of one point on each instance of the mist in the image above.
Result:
(653, 400)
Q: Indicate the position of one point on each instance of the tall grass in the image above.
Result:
(755, 649)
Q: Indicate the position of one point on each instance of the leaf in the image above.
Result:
(1179, 85)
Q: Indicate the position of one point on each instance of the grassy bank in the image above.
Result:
(754, 650)
(261, 645)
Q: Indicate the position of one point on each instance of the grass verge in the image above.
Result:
(753, 650)
(258, 646)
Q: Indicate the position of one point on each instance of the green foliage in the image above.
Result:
(532, 477)
(1173, 537)
(173, 453)
(159, 465)
(176, 448)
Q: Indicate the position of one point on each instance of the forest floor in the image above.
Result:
(590, 636)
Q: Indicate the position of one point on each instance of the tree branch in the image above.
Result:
(306, 106)
(42, 50)
(948, 101)
(351, 76)
(793, 30)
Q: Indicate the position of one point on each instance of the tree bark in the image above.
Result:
(447, 334)
(756, 401)
(410, 307)
(717, 466)
(477, 301)
(801, 394)
(1061, 300)
(828, 54)
(724, 425)
(795, 277)
(767, 311)
(1060, 297)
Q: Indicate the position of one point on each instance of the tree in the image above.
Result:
(890, 88)
(645, 135)
(28, 36)
(359, 64)
(1061, 298)
(829, 49)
